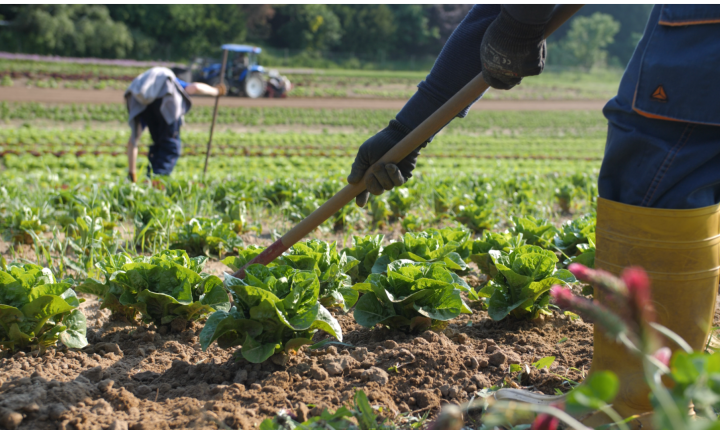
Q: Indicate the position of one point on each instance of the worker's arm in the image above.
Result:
(198, 88)
(132, 151)
(458, 63)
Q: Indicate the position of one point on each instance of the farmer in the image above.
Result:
(659, 183)
(157, 99)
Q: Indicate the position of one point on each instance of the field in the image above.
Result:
(561, 85)
(390, 311)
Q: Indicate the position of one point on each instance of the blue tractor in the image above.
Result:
(243, 76)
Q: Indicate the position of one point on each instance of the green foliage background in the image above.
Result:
(346, 35)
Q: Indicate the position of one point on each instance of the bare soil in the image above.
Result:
(65, 95)
(148, 379)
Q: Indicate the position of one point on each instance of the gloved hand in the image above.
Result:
(388, 176)
(222, 89)
(511, 50)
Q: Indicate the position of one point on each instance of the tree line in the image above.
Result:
(600, 34)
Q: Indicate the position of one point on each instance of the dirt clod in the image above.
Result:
(318, 374)
(10, 419)
(375, 374)
(302, 412)
(390, 344)
(118, 425)
(498, 358)
(57, 411)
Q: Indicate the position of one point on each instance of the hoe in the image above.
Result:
(468, 94)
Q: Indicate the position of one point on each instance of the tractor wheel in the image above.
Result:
(254, 85)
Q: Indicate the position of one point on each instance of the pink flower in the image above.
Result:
(638, 286)
(663, 355)
(581, 272)
(563, 297)
(545, 422)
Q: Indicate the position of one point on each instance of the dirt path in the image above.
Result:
(19, 94)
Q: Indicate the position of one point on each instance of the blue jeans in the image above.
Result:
(663, 147)
(167, 147)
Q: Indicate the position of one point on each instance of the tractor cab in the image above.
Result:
(243, 75)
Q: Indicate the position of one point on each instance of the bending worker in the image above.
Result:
(659, 183)
(157, 99)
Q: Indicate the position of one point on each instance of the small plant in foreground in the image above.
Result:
(429, 246)
(36, 311)
(412, 295)
(677, 381)
(161, 288)
(525, 276)
(275, 308)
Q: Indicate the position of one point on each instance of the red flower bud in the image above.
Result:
(663, 355)
(563, 296)
(581, 272)
(545, 422)
(638, 286)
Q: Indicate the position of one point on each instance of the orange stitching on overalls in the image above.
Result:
(662, 171)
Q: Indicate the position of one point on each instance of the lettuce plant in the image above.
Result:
(477, 218)
(331, 267)
(535, 231)
(478, 250)
(412, 295)
(575, 232)
(524, 278)
(431, 245)
(366, 250)
(275, 308)
(205, 236)
(36, 311)
(161, 288)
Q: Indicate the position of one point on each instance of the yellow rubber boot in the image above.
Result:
(680, 250)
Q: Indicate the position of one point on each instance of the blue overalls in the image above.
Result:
(166, 148)
(663, 143)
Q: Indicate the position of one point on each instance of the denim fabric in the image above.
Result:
(166, 147)
(656, 162)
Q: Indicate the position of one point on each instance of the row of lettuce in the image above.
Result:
(413, 284)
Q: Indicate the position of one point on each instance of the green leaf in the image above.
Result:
(370, 311)
(544, 362)
(75, 334)
(46, 307)
(256, 352)
(443, 304)
(10, 314)
(367, 420)
(595, 392)
(327, 323)
(91, 286)
(350, 297)
(230, 325)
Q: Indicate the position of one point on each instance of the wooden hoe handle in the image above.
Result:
(467, 95)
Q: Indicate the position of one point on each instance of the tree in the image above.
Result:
(305, 26)
(70, 30)
(413, 32)
(181, 31)
(632, 19)
(588, 37)
(367, 28)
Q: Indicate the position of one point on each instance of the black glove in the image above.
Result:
(387, 176)
(511, 50)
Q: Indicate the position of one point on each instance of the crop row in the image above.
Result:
(537, 123)
(28, 140)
